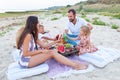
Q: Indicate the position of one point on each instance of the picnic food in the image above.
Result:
(57, 37)
(61, 49)
(65, 37)
(67, 45)
(67, 50)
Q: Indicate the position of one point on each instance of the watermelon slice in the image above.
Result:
(61, 49)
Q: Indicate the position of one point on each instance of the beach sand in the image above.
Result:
(101, 36)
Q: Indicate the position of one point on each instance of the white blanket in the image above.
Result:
(102, 57)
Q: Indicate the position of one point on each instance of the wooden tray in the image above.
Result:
(69, 53)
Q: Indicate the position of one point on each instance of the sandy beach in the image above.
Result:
(101, 36)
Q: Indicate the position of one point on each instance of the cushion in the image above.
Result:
(16, 72)
(102, 57)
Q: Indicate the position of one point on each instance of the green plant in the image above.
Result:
(83, 16)
(102, 8)
(63, 13)
(16, 14)
(68, 6)
(3, 32)
(117, 15)
(54, 18)
(80, 7)
(87, 19)
(114, 26)
(98, 22)
(95, 18)
(56, 12)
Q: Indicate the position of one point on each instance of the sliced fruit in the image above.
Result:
(61, 49)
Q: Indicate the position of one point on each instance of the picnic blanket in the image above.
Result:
(59, 70)
(98, 59)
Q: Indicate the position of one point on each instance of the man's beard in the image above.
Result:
(71, 20)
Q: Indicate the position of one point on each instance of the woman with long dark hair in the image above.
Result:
(30, 56)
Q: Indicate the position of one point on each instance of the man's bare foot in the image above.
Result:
(79, 66)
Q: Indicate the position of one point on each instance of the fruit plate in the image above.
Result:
(68, 52)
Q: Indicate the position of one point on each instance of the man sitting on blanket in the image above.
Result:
(73, 26)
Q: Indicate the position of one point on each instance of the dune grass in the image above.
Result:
(96, 21)
(3, 32)
(115, 15)
(114, 26)
(55, 18)
(112, 10)
(16, 14)
(87, 19)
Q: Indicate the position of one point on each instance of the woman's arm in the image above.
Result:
(26, 42)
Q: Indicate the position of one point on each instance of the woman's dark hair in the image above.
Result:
(72, 10)
(30, 28)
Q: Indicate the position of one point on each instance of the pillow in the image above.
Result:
(16, 72)
(102, 57)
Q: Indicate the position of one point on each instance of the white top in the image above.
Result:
(75, 29)
(43, 35)
(40, 36)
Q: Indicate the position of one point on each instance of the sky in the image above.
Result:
(19, 5)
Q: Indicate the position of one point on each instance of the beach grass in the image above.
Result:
(3, 32)
(96, 21)
(16, 14)
(114, 26)
(115, 15)
(88, 20)
(55, 18)
(112, 10)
